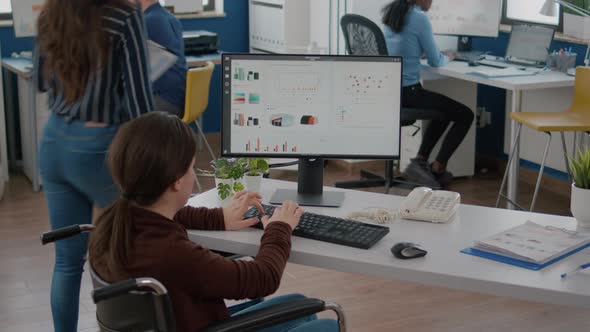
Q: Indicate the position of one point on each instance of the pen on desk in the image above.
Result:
(574, 271)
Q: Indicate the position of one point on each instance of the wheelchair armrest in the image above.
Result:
(276, 314)
(65, 232)
(126, 286)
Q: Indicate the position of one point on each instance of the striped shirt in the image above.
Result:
(121, 90)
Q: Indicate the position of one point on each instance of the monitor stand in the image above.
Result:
(464, 44)
(310, 187)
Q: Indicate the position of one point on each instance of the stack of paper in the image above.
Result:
(160, 60)
(503, 72)
(533, 243)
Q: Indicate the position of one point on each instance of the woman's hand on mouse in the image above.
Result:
(233, 213)
(290, 212)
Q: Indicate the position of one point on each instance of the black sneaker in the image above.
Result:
(444, 178)
(418, 171)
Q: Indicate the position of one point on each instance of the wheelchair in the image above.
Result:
(143, 304)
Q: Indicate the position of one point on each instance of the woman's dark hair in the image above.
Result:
(146, 157)
(72, 40)
(395, 13)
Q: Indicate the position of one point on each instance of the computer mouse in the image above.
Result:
(473, 63)
(408, 250)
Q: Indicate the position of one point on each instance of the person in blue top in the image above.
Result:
(165, 29)
(408, 33)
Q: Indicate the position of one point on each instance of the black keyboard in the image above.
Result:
(469, 56)
(330, 229)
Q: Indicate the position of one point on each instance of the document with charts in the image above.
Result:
(532, 242)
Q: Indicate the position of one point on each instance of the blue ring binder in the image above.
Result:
(518, 262)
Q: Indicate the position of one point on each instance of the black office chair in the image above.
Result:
(143, 304)
(363, 37)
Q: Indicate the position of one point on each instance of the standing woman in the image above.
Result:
(91, 57)
(408, 33)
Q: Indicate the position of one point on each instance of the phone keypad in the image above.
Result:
(439, 203)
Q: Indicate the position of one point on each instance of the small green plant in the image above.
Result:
(255, 166)
(227, 169)
(580, 167)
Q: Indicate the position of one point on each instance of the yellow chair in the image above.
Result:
(197, 97)
(576, 119)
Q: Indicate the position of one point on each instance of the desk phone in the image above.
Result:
(425, 204)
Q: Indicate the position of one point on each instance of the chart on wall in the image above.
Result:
(24, 16)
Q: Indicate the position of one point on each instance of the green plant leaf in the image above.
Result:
(238, 186)
(580, 168)
(256, 166)
(223, 190)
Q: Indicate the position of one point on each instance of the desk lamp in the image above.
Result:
(549, 9)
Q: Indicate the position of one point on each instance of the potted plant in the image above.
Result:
(580, 168)
(255, 168)
(228, 174)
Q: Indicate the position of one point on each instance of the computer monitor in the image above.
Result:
(529, 11)
(311, 107)
(529, 43)
(466, 17)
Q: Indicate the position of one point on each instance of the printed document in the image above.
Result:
(533, 242)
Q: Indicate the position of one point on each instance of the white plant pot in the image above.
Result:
(580, 206)
(252, 182)
(230, 182)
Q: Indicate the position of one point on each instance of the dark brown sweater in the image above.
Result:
(197, 279)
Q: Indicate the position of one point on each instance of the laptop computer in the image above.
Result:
(529, 44)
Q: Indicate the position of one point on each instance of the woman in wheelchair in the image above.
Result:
(143, 234)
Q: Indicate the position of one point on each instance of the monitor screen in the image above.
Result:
(466, 17)
(529, 42)
(529, 11)
(305, 106)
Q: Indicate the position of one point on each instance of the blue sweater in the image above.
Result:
(415, 39)
(166, 30)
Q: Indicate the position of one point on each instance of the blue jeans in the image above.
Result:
(306, 324)
(75, 178)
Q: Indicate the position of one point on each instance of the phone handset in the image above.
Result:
(415, 199)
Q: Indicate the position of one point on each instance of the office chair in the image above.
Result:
(143, 304)
(197, 98)
(575, 119)
(363, 37)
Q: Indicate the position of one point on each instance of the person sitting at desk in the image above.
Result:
(144, 232)
(165, 29)
(408, 33)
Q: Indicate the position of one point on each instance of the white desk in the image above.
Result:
(34, 115)
(444, 265)
(3, 141)
(544, 80)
